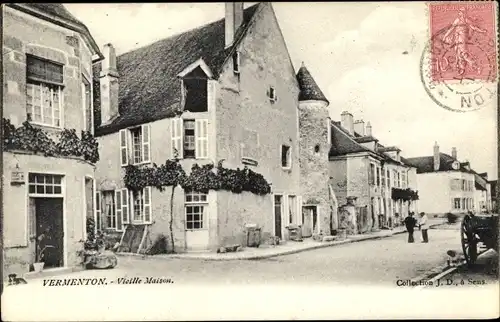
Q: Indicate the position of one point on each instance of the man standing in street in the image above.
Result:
(423, 224)
(410, 224)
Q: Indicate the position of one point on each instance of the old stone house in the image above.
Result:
(446, 184)
(366, 172)
(48, 181)
(223, 94)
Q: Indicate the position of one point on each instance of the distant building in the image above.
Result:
(48, 189)
(362, 168)
(448, 185)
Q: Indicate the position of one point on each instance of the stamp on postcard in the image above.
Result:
(459, 64)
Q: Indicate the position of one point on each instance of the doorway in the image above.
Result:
(278, 213)
(309, 220)
(49, 231)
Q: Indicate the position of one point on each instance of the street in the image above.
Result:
(328, 279)
(377, 262)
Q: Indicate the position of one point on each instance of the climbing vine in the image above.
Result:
(202, 179)
(404, 194)
(33, 139)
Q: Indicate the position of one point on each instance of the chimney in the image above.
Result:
(108, 79)
(436, 156)
(454, 153)
(359, 127)
(368, 129)
(234, 19)
(347, 122)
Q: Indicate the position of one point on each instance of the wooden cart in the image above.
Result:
(479, 233)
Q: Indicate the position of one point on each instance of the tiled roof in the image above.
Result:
(309, 90)
(389, 148)
(56, 9)
(426, 164)
(149, 88)
(343, 143)
(365, 139)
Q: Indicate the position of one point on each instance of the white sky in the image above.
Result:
(355, 53)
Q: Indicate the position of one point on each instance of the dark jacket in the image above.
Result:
(410, 223)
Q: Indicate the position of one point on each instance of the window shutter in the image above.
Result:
(118, 208)
(98, 212)
(123, 148)
(176, 135)
(147, 205)
(286, 211)
(146, 139)
(201, 138)
(125, 207)
(299, 210)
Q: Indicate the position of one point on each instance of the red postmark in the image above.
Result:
(463, 44)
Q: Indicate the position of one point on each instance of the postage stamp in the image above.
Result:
(459, 64)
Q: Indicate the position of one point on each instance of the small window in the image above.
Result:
(272, 94)
(137, 144)
(189, 139)
(45, 184)
(286, 156)
(87, 105)
(372, 174)
(316, 148)
(236, 62)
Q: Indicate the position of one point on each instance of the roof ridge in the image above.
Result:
(183, 32)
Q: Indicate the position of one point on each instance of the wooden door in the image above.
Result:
(49, 219)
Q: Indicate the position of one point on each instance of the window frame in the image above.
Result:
(372, 174)
(185, 136)
(288, 156)
(30, 115)
(34, 80)
(86, 85)
(236, 62)
(203, 204)
(272, 94)
(133, 145)
(44, 185)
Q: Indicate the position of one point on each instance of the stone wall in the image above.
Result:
(234, 211)
(314, 172)
(248, 123)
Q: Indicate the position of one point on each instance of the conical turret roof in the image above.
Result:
(309, 90)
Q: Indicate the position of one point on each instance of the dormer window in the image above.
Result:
(194, 92)
(236, 62)
(194, 87)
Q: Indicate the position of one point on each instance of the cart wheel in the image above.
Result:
(469, 241)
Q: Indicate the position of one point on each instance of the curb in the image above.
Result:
(264, 256)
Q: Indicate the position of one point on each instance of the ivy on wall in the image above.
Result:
(202, 179)
(404, 194)
(32, 139)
